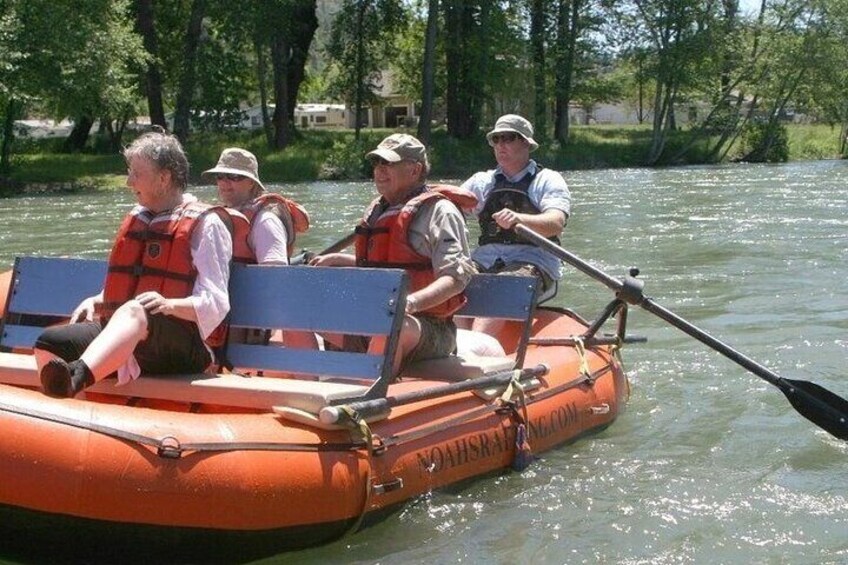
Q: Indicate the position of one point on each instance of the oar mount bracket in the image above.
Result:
(631, 289)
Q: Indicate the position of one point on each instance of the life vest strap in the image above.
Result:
(140, 270)
(148, 235)
(391, 265)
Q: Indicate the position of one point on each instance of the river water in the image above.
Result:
(709, 464)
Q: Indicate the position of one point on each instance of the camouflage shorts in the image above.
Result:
(438, 339)
(522, 269)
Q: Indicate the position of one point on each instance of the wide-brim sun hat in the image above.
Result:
(513, 123)
(235, 161)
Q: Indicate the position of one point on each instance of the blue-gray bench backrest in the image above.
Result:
(44, 291)
(367, 302)
(509, 297)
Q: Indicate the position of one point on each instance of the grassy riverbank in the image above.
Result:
(335, 154)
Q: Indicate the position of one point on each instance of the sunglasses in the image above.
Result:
(503, 138)
(379, 161)
(229, 176)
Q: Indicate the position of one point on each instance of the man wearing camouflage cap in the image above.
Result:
(517, 190)
(420, 228)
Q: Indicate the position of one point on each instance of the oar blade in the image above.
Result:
(820, 406)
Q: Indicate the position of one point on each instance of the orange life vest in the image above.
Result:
(152, 252)
(382, 240)
(294, 217)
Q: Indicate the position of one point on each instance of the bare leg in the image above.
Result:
(300, 340)
(491, 326)
(116, 343)
(42, 357)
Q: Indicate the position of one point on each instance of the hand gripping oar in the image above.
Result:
(305, 256)
(817, 404)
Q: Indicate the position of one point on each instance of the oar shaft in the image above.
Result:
(649, 305)
(567, 256)
(339, 245)
(822, 407)
(331, 414)
(710, 341)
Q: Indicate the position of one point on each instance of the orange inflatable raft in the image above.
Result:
(107, 476)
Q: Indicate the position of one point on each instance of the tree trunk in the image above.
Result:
(566, 52)
(280, 55)
(262, 79)
(153, 78)
(79, 135)
(359, 96)
(466, 59)
(182, 112)
(305, 23)
(537, 49)
(12, 109)
(428, 73)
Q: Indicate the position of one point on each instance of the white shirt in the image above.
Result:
(268, 238)
(211, 253)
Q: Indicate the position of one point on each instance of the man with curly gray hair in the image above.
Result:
(165, 297)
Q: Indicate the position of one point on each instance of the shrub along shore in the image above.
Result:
(314, 155)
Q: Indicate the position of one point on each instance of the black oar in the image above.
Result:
(366, 408)
(817, 404)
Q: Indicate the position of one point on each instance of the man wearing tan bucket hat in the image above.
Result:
(517, 190)
(274, 220)
(266, 232)
(420, 228)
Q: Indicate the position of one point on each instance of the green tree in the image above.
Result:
(71, 59)
(359, 48)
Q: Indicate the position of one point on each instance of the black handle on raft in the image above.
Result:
(820, 406)
(305, 256)
(365, 408)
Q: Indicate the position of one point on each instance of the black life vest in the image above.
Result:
(514, 196)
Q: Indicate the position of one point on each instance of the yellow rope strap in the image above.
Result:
(360, 431)
(523, 456)
(584, 361)
(615, 350)
(515, 390)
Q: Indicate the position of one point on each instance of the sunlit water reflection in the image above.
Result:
(709, 464)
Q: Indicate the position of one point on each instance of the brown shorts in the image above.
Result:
(522, 269)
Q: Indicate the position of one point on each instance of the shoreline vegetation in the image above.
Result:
(335, 155)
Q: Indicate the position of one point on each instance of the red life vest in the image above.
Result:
(294, 217)
(152, 252)
(382, 240)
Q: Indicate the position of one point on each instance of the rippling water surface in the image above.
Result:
(709, 464)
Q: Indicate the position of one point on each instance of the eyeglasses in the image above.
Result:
(503, 138)
(229, 176)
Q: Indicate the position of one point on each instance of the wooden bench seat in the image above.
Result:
(366, 302)
(263, 393)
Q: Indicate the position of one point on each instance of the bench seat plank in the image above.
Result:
(306, 361)
(20, 336)
(319, 299)
(42, 289)
(261, 393)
